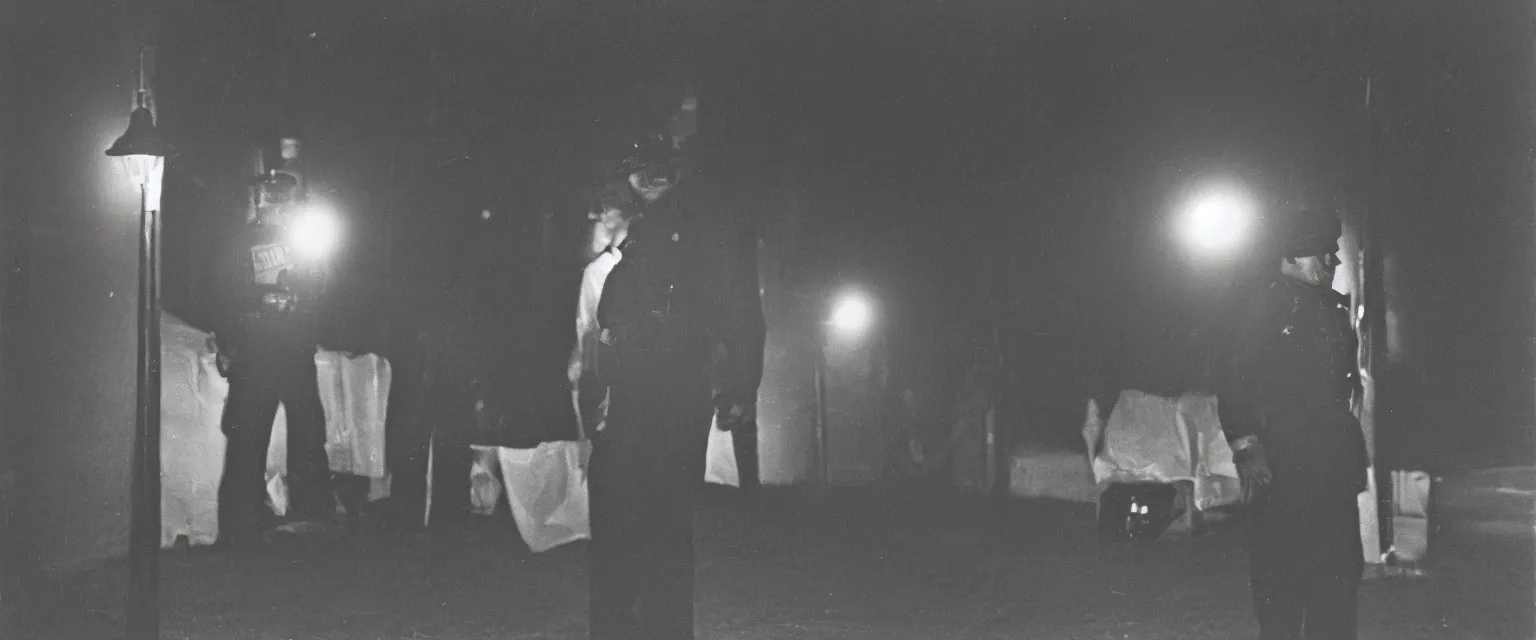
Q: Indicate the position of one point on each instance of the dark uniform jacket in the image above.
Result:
(1292, 375)
(687, 286)
(264, 302)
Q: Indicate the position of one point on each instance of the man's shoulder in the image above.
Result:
(712, 213)
(1267, 300)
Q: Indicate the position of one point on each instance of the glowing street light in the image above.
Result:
(852, 314)
(142, 152)
(1216, 221)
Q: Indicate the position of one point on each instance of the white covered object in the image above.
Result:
(1146, 438)
(720, 459)
(1370, 526)
(1410, 516)
(192, 397)
(355, 394)
(354, 391)
(547, 489)
(277, 463)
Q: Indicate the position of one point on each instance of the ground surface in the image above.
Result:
(910, 568)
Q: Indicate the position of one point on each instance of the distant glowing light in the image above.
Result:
(314, 232)
(852, 314)
(1217, 221)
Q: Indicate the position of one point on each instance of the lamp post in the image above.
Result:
(143, 153)
(851, 316)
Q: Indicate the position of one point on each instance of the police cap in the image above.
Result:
(638, 149)
(1310, 232)
(654, 118)
(275, 188)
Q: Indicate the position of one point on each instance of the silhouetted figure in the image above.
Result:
(1300, 453)
(266, 336)
(679, 293)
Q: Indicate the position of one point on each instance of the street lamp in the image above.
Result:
(852, 314)
(1216, 221)
(143, 154)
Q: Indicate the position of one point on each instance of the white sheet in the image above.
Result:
(191, 445)
(354, 392)
(547, 488)
(720, 459)
(1146, 439)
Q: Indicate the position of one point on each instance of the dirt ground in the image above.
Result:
(852, 566)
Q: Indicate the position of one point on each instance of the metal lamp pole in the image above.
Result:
(850, 314)
(144, 535)
(1373, 285)
(143, 153)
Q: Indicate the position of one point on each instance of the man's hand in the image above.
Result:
(1252, 472)
(573, 371)
(224, 360)
(735, 414)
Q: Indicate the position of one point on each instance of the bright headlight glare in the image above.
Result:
(314, 233)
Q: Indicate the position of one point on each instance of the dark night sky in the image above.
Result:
(939, 146)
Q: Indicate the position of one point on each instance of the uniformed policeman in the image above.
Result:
(266, 335)
(678, 296)
(1285, 406)
(612, 212)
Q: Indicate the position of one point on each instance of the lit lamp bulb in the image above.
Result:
(143, 152)
(852, 314)
(1217, 222)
